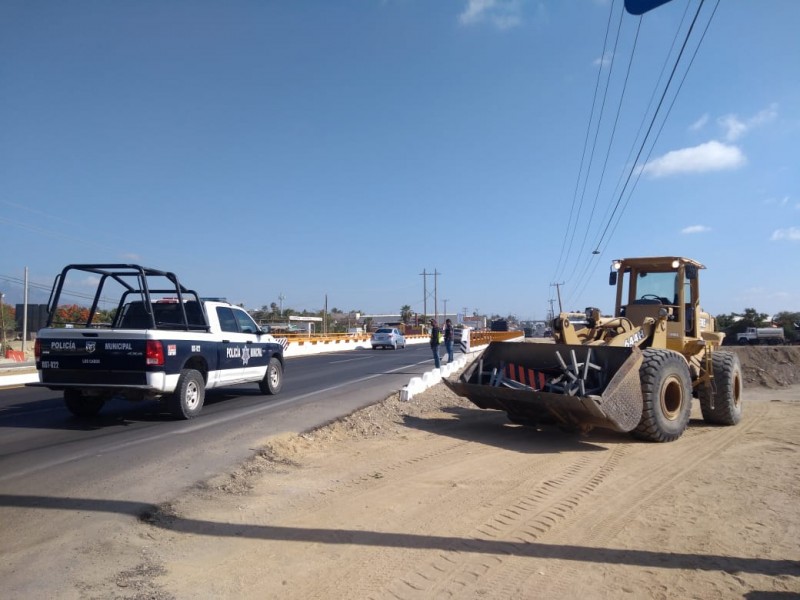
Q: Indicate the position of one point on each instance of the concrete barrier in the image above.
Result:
(417, 385)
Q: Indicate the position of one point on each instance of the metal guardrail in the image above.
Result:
(480, 338)
(304, 338)
(477, 338)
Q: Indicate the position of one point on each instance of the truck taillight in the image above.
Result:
(37, 349)
(154, 354)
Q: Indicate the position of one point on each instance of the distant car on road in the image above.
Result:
(388, 337)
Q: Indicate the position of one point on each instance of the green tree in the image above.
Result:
(71, 313)
(790, 321)
(406, 313)
(753, 318)
(725, 321)
(7, 320)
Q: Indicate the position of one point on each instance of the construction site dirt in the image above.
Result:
(434, 498)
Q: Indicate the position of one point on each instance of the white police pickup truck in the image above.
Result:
(145, 336)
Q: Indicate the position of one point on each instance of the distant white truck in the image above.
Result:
(761, 335)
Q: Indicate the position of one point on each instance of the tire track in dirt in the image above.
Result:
(621, 500)
(531, 519)
(472, 496)
(452, 573)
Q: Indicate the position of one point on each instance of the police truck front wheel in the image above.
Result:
(273, 378)
(82, 406)
(187, 400)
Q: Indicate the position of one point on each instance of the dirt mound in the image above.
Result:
(769, 366)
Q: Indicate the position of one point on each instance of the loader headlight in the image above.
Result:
(616, 265)
(676, 264)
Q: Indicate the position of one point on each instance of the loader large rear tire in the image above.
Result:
(727, 395)
(667, 395)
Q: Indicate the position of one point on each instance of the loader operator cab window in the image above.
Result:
(649, 293)
(656, 288)
(663, 289)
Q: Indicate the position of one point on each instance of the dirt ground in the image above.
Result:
(434, 498)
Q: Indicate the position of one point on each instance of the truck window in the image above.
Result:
(246, 323)
(227, 321)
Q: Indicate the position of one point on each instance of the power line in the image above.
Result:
(562, 256)
(652, 123)
(610, 145)
(588, 269)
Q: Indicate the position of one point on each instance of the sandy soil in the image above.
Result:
(435, 498)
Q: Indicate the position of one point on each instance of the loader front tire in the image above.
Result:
(667, 395)
(727, 390)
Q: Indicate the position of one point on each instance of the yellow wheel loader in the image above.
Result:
(636, 371)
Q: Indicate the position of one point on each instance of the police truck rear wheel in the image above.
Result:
(728, 385)
(82, 406)
(667, 395)
(187, 400)
(273, 378)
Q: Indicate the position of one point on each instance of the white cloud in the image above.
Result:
(791, 234)
(711, 156)
(779, 202)
(604, 60)
(695, 229)
(736, 127)
(503, 14)
(699, 124)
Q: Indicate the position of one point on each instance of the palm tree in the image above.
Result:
(405, 313)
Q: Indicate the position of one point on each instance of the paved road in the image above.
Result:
(46, 451)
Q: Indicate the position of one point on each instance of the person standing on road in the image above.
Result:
(435, 333)
(448, 340)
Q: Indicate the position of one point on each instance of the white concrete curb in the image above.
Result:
(417, 385)
(15, 380)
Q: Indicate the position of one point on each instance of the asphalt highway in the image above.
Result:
(138, 453)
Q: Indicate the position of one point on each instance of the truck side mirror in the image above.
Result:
(612, 278)
(691, 272)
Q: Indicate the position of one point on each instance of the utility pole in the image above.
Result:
(435, 275)
(424, 293)
(25, 313)
(435, 292)
(558, 292)
(445, 308)
(2, 324)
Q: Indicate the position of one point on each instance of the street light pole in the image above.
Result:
(2, 323)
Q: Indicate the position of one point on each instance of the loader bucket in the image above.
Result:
(575, 386)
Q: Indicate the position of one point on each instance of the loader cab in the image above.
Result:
(664, 287)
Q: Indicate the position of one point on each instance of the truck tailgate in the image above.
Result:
(92, 357)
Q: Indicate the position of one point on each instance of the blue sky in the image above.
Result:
(262, 149)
